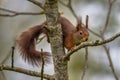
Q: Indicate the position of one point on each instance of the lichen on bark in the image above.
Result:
(56, 41)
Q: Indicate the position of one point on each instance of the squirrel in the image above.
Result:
(72, 36)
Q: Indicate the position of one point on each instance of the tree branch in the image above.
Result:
(12, 56)
(69, 5)
(110, 61)
(102, 36)
(111, 2)
(15, 13)
(108, 16)
(94, 33)
(56, 39)
(85, 64)
(37, 3)
(24, 71)
(43, 64)
(88, 44)
(40, 39)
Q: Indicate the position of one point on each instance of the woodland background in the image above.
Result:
(98, 64)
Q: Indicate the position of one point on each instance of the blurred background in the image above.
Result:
(98, 64)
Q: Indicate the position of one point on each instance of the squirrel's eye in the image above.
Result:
(80, 33)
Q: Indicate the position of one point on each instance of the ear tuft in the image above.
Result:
(87, 18)
(79, 24)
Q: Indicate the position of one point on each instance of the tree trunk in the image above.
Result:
(56, 41)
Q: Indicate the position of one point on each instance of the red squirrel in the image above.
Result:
(72, 36)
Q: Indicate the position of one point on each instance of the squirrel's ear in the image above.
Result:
(79, 24)
(87, 17)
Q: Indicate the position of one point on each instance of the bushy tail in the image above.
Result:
(26, 44)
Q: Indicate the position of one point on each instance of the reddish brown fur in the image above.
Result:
(26, 41)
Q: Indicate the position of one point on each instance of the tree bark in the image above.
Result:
(56, 41)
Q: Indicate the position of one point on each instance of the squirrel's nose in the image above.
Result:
(86, 39)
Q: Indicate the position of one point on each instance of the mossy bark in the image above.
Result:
(56, 41)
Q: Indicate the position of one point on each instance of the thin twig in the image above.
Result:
(62, 3)
(40, 39)
(7, 10)
(12, 61)
(71, 8)
(69, 5)
(20, 13)
(85, 63)
(110, 61)
(6, 58)
(12, 13)
(93, 43)
(25, 71)
(94, 33)
(43, 63)
(2, 76)
(108, 16)
(2, 62)
(102, 36)
(37, 3)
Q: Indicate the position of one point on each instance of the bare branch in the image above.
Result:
(71, 8)
(69, 5)
(25, 71)
(3, 61)
(12, 63)
(40, 39)
(7, 10)
(63, 3)
(102, 36)
(43, 63)
(102, 33)
(108, 16)
(2, 76)
(15, 13)
(87, 44)
(85, 63)
(6, 58)
(110, 61)
(94, 33)
(37, 3)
